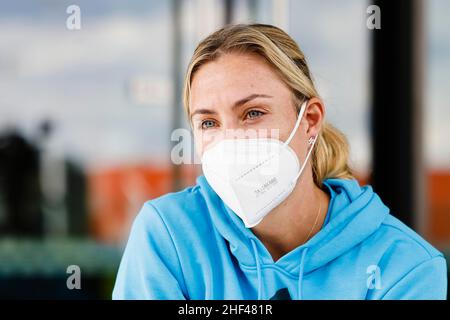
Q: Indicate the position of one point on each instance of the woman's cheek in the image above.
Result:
(203, 140)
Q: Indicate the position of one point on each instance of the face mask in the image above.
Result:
(253, 176)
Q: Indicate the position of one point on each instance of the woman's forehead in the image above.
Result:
(234, 69)
(230, 78)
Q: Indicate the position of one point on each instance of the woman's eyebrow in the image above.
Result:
(237, 104)
(249, 98)
(203, 111)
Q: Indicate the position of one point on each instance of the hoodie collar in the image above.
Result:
(355, 213)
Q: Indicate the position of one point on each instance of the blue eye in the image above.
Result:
(207, 124)
(254, 114)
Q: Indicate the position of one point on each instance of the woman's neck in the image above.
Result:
(295, 220)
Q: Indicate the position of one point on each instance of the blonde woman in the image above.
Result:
(277, 213)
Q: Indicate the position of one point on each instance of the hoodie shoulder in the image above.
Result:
(182, 210)
(175, 199)
(405, 235)
(410, 267)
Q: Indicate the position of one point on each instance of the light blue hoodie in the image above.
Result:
(189, 245)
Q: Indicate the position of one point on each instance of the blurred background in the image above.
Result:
(87, 111)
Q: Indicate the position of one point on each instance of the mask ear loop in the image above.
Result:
(311, 141)
(297, 123)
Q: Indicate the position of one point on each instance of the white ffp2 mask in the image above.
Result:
(253, 176)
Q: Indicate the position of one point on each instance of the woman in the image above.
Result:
(291, 224)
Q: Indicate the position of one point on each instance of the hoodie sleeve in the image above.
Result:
(149, 268)
(427, 281)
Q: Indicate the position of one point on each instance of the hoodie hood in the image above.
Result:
(353, 215)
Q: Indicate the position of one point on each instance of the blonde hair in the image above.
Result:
(330, 155)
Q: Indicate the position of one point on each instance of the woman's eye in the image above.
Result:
(207, 124)
(254, 114)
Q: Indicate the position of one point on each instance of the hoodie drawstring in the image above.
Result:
(258, 268)
(259, 272)
(300, 275)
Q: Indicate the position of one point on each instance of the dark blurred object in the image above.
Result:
(22, 201)
(228, 11)
(63, 184)
(45, 129)
(396, 109)
(76, 201)
(20, 196)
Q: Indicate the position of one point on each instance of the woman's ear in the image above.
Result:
(314, 116)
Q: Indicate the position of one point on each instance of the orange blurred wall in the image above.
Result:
(116, 195)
